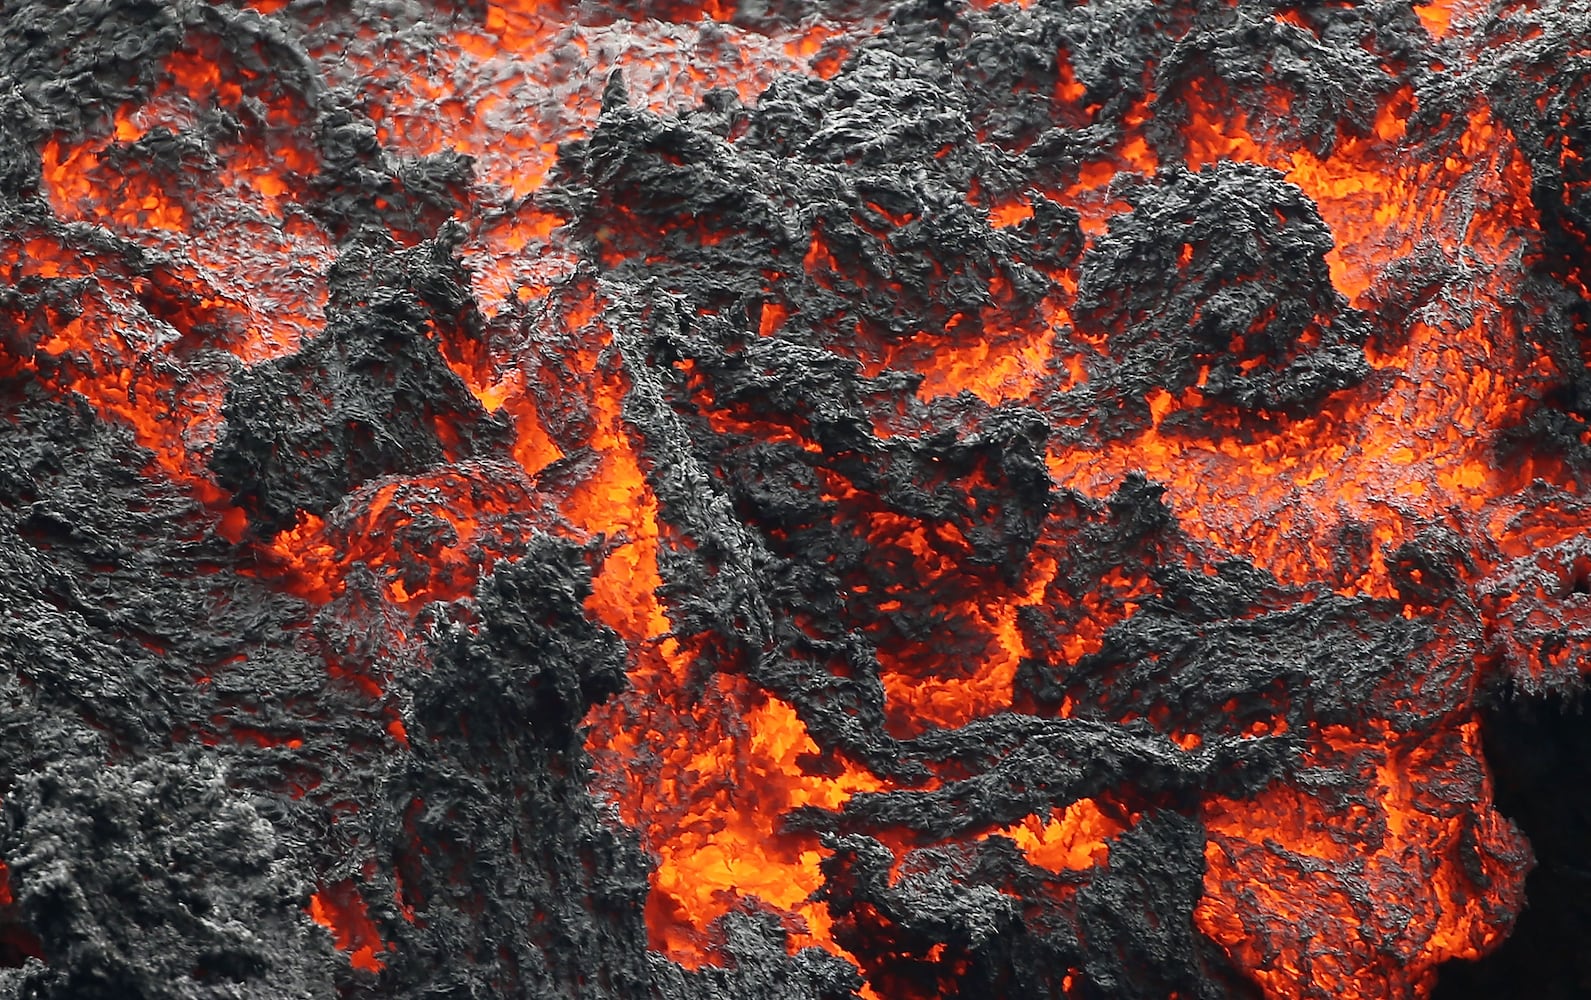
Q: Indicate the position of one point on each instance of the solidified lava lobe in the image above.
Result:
(792, 499)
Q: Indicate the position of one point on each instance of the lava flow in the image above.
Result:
(794, 499)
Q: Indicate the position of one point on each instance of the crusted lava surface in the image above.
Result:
(849, 501)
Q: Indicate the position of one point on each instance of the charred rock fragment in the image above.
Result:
(371, 396)
(754, 947)
(1334, 69)
(1217, 654)
(155, 880)
(1130, 933)
(162, 874)
(1221, 271)
(495, 786)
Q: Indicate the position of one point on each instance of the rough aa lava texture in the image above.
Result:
(197, 766)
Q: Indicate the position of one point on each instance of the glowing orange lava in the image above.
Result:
(706, 769)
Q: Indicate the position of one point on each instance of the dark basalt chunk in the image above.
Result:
(1539, 750)
(370, 396)
(142, 876)
(491, 839)
(1220, 654)
(961, 922)
(1225, 269)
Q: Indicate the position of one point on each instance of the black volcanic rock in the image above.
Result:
(139, 864)
(496, 847)
(1224, 268)
(370, 396)
(156, 880)
(1131, 933)
(1270, 655)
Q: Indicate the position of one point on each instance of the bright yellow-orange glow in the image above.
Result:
(1073, 838)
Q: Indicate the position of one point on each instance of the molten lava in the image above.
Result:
(796, 500)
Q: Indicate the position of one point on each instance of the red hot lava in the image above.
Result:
(1069, 481)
